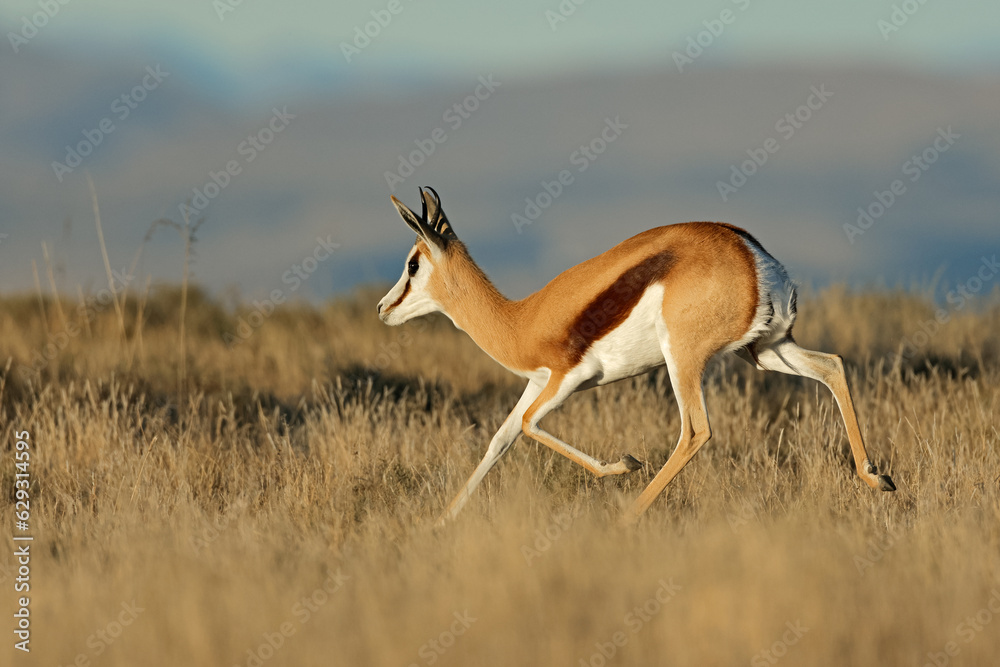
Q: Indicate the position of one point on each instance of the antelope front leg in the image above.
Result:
(555, 392)
(504, 438)
(626, 464)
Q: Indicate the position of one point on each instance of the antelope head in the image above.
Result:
(423, 284)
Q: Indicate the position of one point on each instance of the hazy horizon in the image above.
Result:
(212, 86)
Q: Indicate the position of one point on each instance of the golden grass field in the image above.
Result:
(271, 503)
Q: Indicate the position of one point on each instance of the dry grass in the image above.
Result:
(318, 452)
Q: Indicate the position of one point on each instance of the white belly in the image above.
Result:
(633, 347)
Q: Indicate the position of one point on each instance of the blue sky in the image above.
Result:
(453, 38)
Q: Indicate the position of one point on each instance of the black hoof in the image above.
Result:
(885, 483)
(633, 463)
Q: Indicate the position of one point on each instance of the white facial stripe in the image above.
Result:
(409, 298)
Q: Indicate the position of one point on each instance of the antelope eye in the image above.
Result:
(413, 266)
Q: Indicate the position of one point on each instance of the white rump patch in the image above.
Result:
(776, 301)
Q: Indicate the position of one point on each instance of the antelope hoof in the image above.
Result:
(885, 483)
(627, 464)
(632, 464)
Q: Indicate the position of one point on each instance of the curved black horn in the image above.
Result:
(434, 213)
(423, 208)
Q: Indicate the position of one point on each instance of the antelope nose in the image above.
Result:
(379, 308)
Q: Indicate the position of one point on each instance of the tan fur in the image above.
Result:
(710, 293)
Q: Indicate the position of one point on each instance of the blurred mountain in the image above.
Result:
(323, 175)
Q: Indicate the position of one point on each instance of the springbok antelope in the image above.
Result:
(675, 296)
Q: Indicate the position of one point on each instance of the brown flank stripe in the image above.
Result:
(612, 306)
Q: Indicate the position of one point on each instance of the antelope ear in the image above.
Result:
(411, 219)
(434, 214)
(424, 231)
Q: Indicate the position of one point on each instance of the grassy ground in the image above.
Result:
(270, 502)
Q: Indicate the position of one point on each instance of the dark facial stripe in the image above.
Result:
(406, 290)
(612, 306)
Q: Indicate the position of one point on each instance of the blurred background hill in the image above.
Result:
(352, 112)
